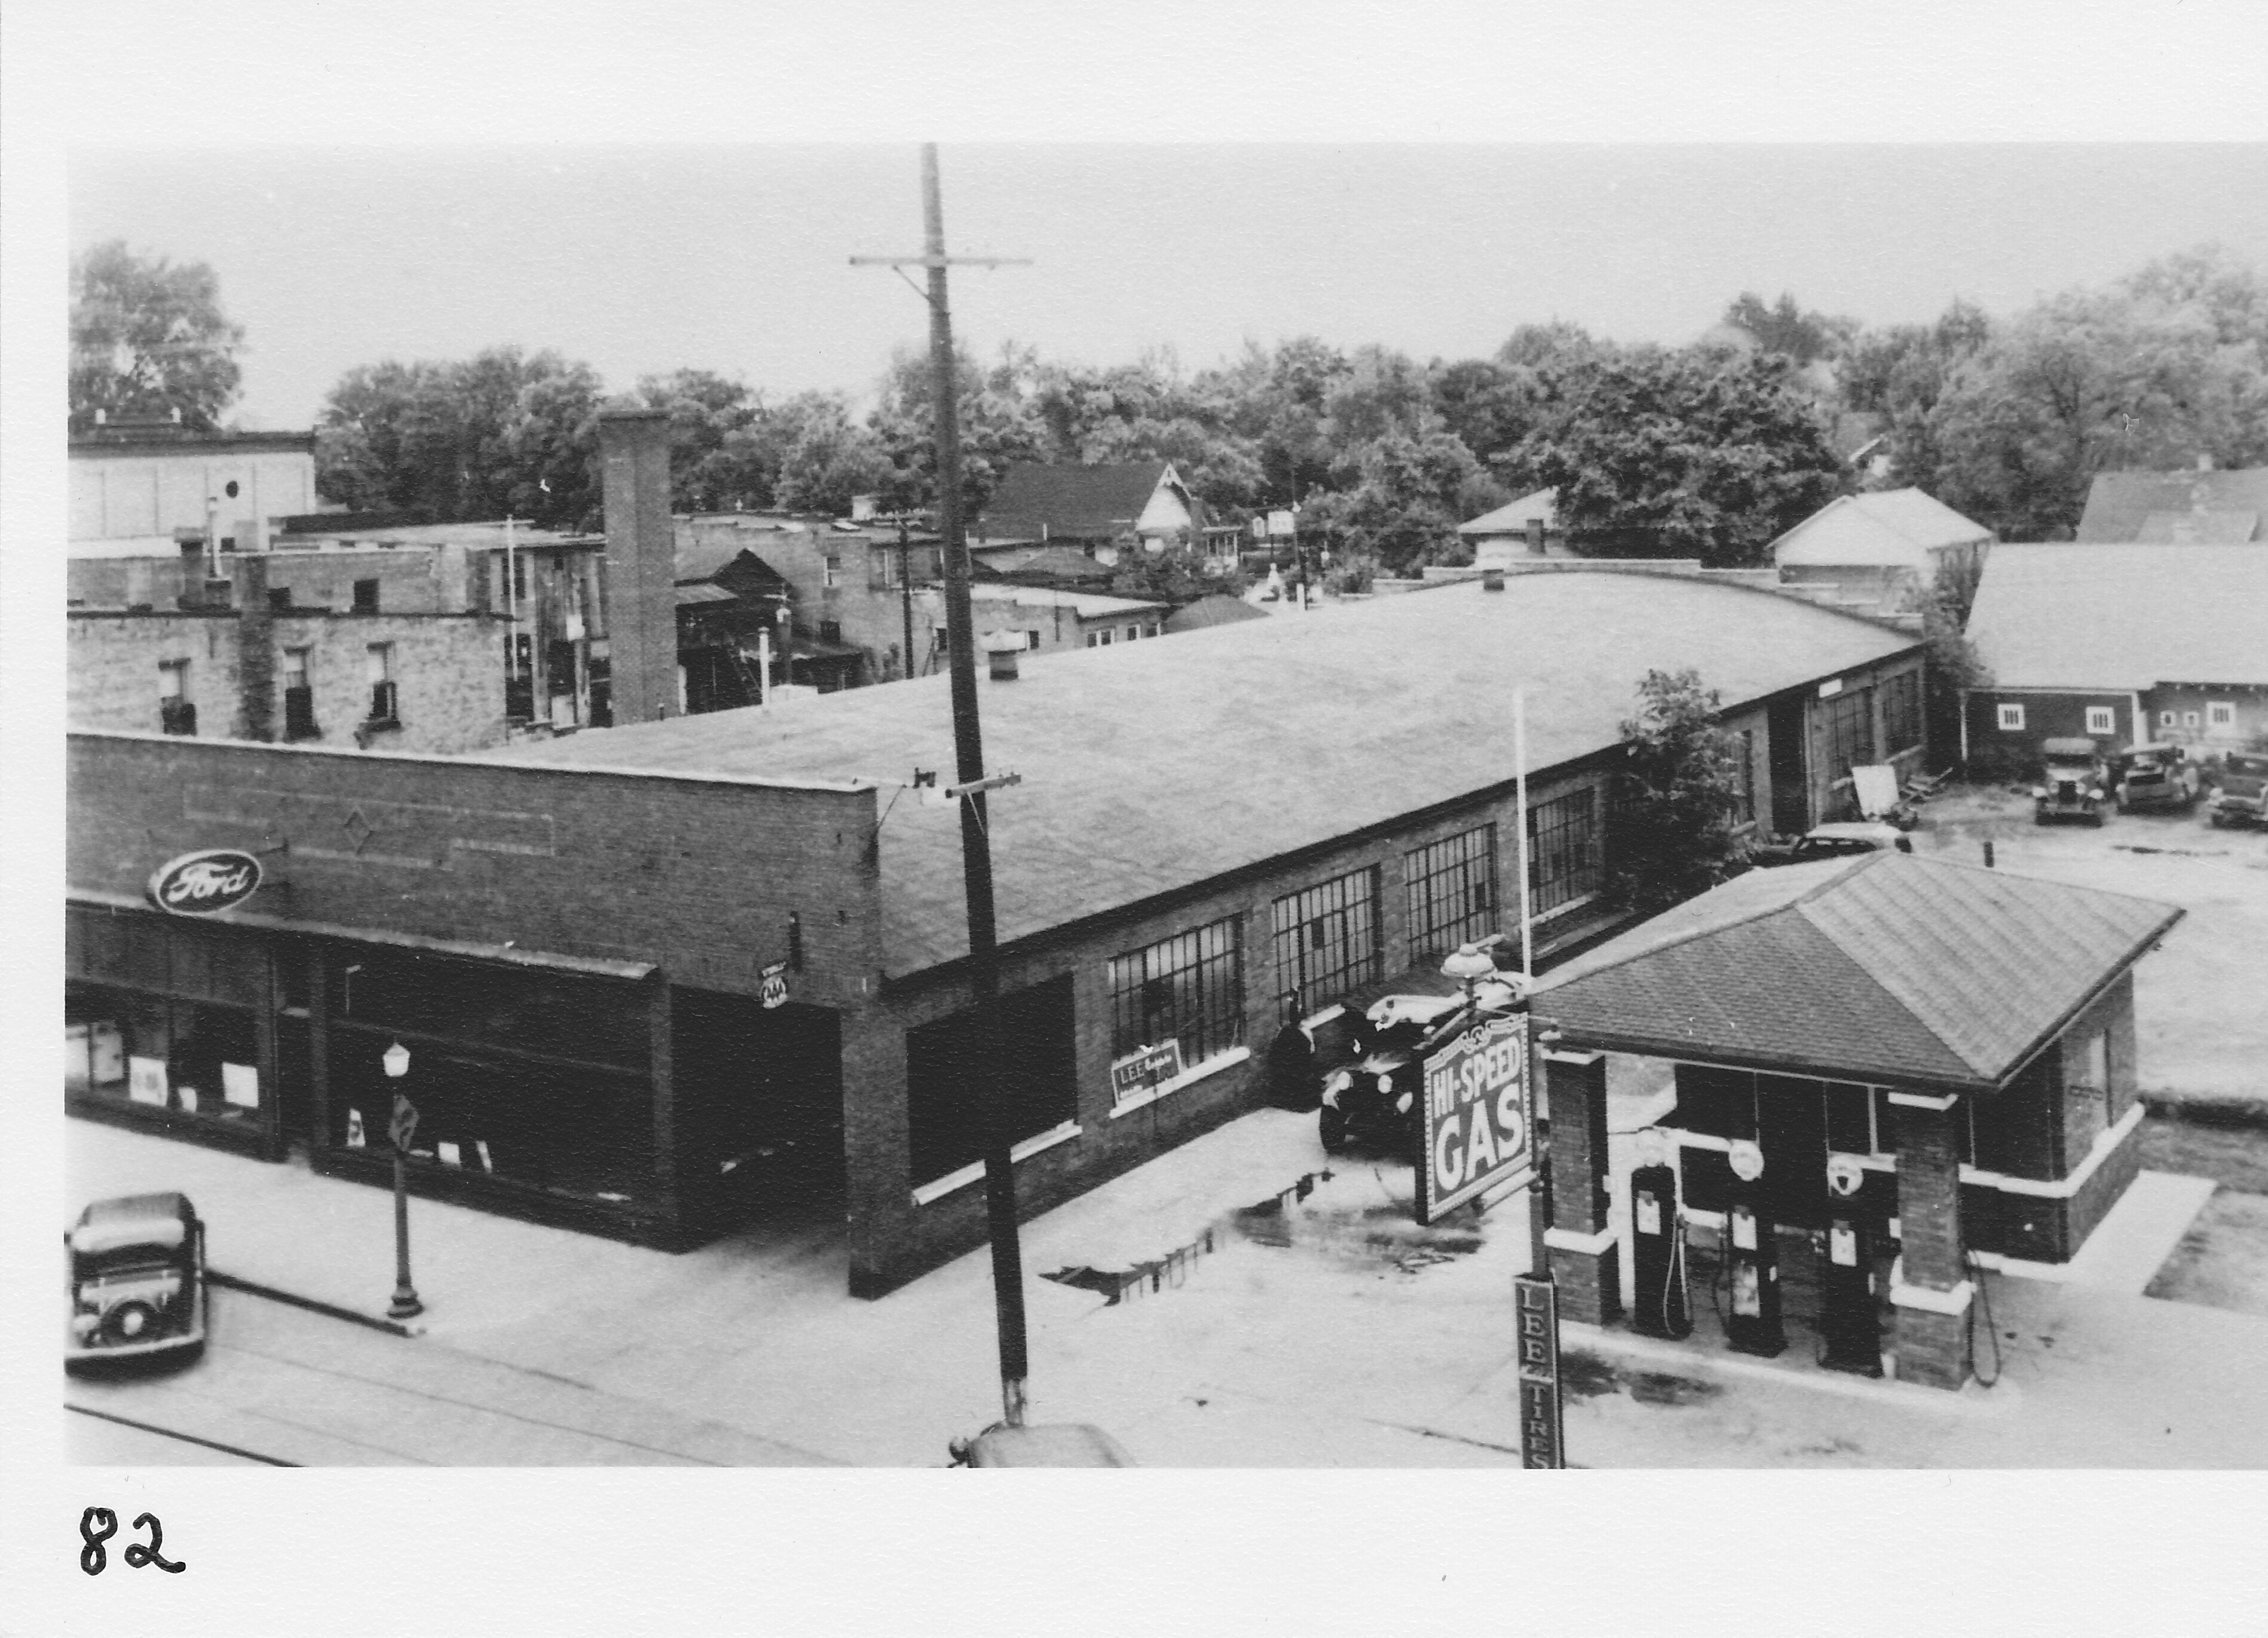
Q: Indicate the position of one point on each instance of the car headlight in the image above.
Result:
(2096, 792)
(1402, 1104)
(1385, 1083)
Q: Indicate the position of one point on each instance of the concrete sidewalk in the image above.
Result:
(1320, 1328)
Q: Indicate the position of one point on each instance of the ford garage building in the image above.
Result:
(658, 978)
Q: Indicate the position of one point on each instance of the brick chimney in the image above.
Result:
(255, 649)
(641, 563)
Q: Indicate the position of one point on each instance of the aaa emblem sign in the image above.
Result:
(1478, 1129)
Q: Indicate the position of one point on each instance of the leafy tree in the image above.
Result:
(999, 426)
(503, 433)
(1677, 789)
(1679, 454)
(2086, 381)
(824, 459)
(1789, 330)
(1952, 664)
(148, 337)
(713, 466)
(1489, 406)
(1557, 346)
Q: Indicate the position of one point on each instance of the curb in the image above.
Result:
(213, 1276)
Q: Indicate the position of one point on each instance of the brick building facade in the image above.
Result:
(610, 908)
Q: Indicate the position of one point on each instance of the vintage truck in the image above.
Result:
(2074, 785)
(2156, 777)
(2241, 798)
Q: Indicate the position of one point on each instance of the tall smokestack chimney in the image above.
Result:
(255, 649)
(641, 563)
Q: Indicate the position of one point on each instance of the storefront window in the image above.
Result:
(162, 1015)
(536, 1077)
(956, 1082)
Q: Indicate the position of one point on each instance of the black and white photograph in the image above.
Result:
(769, 748)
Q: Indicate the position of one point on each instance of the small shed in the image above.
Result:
(1964, 1037)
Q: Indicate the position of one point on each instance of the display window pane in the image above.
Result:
(184, 1058)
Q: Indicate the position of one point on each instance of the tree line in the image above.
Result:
(1706, 450)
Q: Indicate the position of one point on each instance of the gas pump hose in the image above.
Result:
(1984, 1300)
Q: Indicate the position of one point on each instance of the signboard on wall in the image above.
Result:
(772, 985)
(1479, 1125)
(201, 883)
(1145, 1071)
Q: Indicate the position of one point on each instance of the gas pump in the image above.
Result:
(1751, 1254)
(1657, 1249)
(1846, 1279)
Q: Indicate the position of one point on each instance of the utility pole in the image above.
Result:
(906, 592)
(969, 756)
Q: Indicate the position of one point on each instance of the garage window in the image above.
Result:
(2219, 713)
(2012, 717)
(2102, 720)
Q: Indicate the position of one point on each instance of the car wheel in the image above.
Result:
(1331, 1126)
(130, 1322)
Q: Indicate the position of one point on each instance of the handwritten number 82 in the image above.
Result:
(98, 1524)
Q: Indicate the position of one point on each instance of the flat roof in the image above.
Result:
(1150, 767)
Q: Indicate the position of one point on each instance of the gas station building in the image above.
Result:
(1891, 1071)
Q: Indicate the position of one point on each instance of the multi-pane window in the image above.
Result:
(831, 570)
(2010, 719)
(1328, 940)
(377, 663)
(1901, 713)
(1566, 863)
(298, 696)
(1189, 988)
(1849, 740)
(2220, 713)
(2102, 720)
(1744, 777)
(175, 713)
(1451, 892)
(2166, 719)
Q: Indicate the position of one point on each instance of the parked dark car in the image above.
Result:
(2156, 777)
(1372, 1103)
(2241, 796)
(2074, 784)
(137, 1281)
(1838, 840)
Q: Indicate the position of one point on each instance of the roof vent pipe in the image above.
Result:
(1000, 651)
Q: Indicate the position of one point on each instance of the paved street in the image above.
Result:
(1322, 1329)
(289, 1386)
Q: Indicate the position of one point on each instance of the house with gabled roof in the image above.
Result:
(1957, 1042)
(2203, 506)
(1882, 549)
(2121, 643)
(1141, 503)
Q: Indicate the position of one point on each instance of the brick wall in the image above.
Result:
(1929, 1198)
(697, 875)
(447, 669)
(111, 664)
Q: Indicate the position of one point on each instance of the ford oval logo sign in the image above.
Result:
(198, 885)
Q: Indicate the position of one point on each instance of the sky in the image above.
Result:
(735, 257)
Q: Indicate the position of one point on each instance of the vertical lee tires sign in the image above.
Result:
(1479, 1125)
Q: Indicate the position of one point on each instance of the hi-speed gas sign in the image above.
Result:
(1479, 1128)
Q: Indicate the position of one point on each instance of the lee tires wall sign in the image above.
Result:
(1479, 1129)
(201, 883)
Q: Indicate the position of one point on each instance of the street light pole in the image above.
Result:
(405, 1304)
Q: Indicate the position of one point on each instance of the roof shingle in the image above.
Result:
(1885, 968)
(2123, 617)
